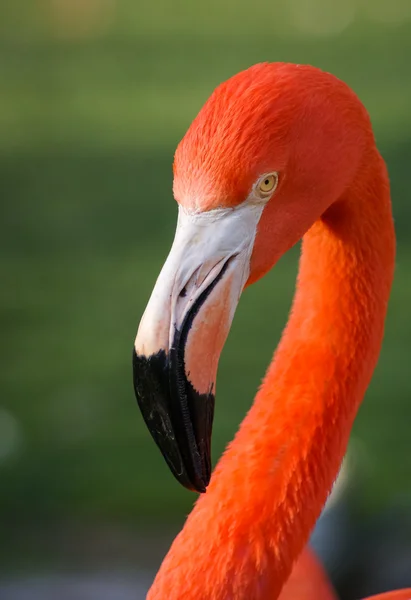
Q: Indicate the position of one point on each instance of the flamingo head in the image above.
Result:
(269, 152)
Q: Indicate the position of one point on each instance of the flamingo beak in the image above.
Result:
(183, 331)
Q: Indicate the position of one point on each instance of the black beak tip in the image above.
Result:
(191, 486)
(188, 456)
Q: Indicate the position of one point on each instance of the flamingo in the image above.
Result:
(279, 152)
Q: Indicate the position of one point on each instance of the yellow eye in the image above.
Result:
(268, 183)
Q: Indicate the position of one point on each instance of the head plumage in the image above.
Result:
(249, 126)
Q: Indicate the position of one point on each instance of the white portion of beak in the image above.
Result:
(203, 244)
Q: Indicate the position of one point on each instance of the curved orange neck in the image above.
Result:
(268, 489)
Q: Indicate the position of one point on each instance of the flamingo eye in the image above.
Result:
(267, 184)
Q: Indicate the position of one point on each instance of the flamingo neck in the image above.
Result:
(269, 488)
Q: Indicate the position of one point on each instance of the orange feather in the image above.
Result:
(307, 581)
(266, 493)
(394, 595)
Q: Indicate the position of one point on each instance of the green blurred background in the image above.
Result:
(94, 97)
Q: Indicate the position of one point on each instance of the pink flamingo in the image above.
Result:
(277, 153)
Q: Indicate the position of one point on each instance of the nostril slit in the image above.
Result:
(183, 292)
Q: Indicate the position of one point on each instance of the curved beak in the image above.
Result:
(183, 331)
